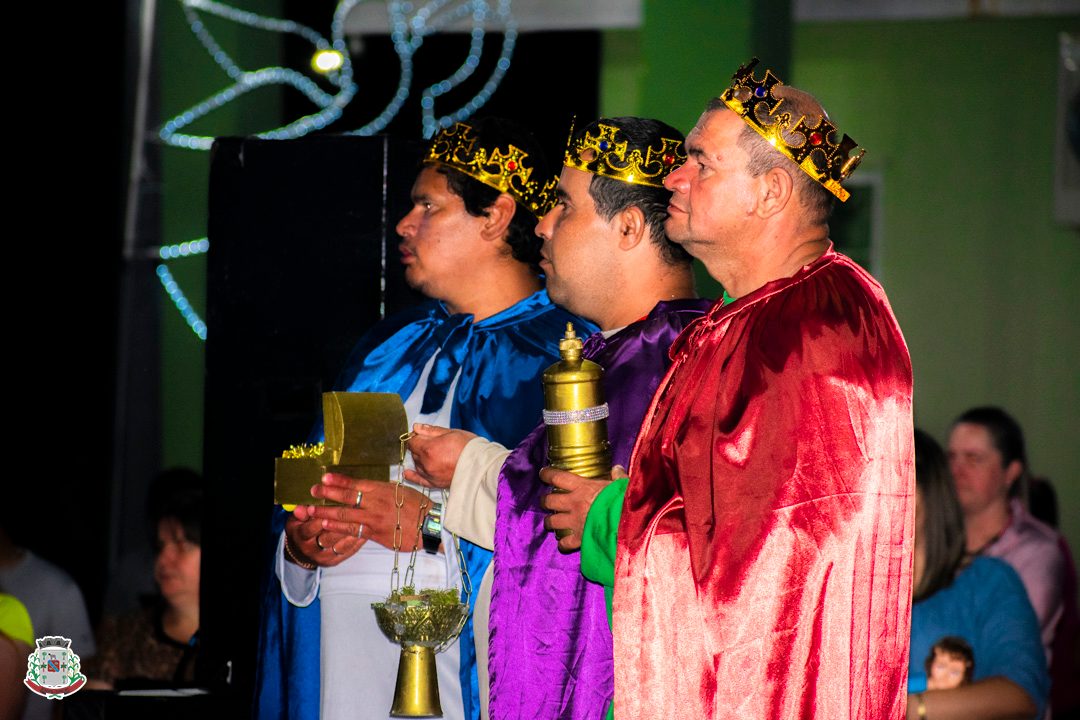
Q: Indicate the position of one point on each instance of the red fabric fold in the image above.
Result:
(765, 548)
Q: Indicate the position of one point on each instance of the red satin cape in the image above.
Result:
(764, 564)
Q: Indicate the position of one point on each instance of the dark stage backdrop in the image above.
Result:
(300, 232)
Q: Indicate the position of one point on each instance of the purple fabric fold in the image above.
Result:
(550, 647)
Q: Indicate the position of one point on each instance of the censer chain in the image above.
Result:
(399, 502)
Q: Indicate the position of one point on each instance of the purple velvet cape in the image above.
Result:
(550, 648)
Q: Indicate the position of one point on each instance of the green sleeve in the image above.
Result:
(598, 543)
(600, 538)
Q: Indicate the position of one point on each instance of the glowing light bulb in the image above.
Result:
(327, 61)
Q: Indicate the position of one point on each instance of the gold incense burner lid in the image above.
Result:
(572, 368)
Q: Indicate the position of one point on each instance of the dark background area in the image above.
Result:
(66, 161)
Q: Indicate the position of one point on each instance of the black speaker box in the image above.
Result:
(303, 259)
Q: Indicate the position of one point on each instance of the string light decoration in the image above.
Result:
(181, 302)
(184, 249)
(408, 28)
(409, 25)
(172, 288)
(408, 33)
(427, 99)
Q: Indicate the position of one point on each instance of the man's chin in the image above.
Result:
(413, 278)
(556, 293)
(424, 288)
(684, 240)
(677, 232)
(560, 295)
(566, 301)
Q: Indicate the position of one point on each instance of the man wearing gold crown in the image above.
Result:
(470, 358)
(550, 642)
(763, 563)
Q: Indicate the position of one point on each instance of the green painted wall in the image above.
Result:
(958, 118)
(187, 76)
(621, 69)
(690, 48)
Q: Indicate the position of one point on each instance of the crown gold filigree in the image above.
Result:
(609, 154)
(812, 147)
(507, 171)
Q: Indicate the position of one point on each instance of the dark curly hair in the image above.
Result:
(478, 198)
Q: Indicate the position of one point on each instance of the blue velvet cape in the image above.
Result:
(498, 396)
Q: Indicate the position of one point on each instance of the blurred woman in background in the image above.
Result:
(157, 645)
(979, 599)
(988, 462)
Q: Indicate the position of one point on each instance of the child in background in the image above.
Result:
(950, 664)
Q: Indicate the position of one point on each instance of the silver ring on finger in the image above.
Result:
(360, 530)
(318, 543)
(359, 497)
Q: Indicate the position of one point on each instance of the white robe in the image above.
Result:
(358, 663)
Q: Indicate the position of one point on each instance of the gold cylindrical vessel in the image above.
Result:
(575, 412)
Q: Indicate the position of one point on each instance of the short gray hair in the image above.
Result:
(763, 157)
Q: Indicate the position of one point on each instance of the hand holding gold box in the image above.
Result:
(363, 440)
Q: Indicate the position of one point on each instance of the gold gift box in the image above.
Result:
(363, 440)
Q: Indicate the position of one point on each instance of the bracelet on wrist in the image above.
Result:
(292, 557)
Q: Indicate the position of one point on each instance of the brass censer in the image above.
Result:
(424, 622)
(575, 412)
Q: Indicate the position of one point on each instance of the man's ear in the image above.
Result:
(630, 222)
(1013, 471)
(775, 188)
(499, 215)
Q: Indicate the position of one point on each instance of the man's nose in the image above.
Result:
(675, 181)
(406, 226)
(543, 228)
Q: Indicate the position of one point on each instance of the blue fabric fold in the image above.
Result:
(453, 337)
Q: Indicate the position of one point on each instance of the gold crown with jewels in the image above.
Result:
(507, 171)
(814, 149)
(609, 154)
